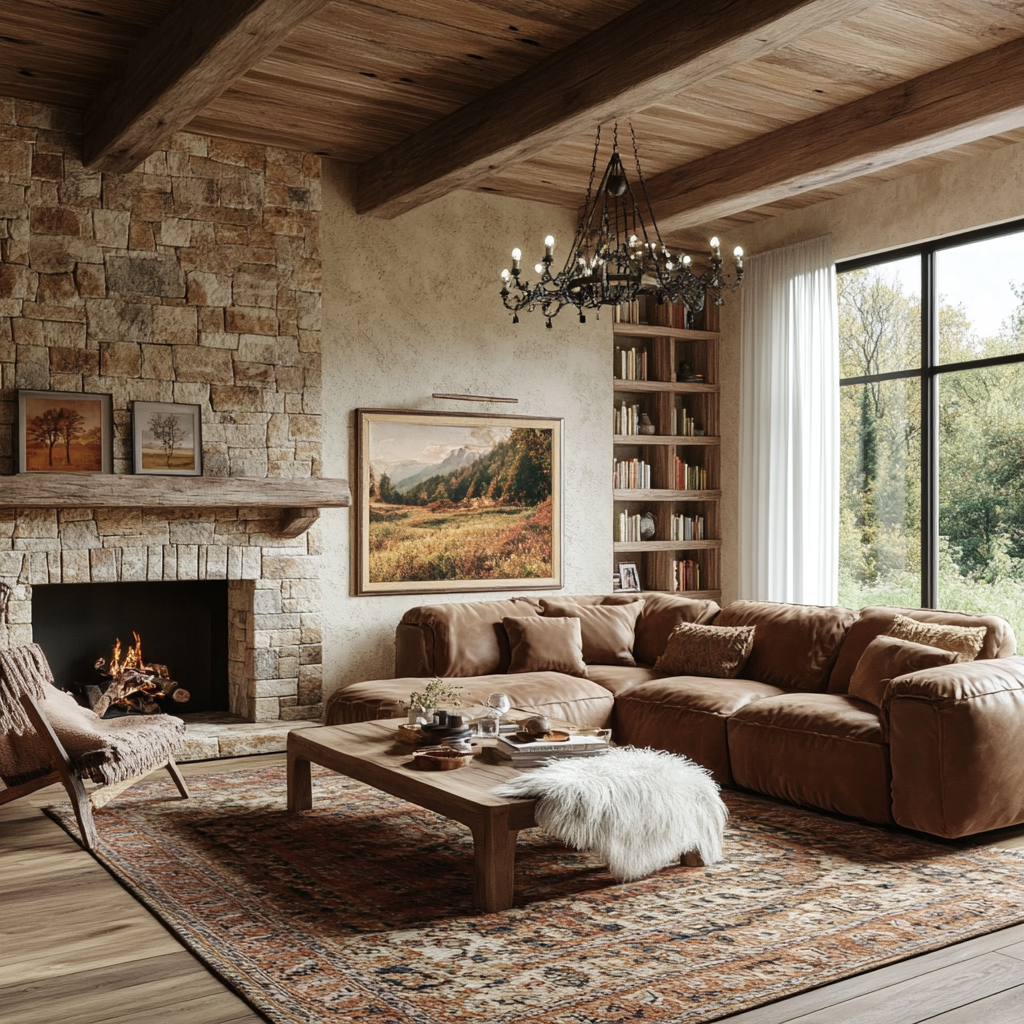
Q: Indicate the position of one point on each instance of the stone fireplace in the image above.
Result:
(194, 279)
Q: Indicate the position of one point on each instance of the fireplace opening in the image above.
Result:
(183, 625)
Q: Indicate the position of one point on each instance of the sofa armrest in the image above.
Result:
(956, 743)
(414, 651)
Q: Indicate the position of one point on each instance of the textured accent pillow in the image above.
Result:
(697, 650)
(887, 657)
(606, 629)
(545, 645)
(965, 641)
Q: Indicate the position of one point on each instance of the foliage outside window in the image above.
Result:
(932, 421)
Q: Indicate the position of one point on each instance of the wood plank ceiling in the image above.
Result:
(356, 80)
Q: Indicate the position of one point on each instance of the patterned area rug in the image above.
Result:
(361, 910)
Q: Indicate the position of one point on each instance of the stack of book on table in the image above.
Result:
(531, 753)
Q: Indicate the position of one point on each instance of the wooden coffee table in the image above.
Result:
(367, 752)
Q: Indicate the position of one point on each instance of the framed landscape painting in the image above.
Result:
(454, 502)
(64, 432)
(167, 439)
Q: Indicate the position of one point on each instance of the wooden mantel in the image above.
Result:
(299, 499)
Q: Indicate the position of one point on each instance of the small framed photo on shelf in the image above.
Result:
(64, 432)
(629, 576)
(167, 439)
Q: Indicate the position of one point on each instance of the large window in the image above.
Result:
(932, 405)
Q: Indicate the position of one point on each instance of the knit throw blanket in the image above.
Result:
(640, 810)
(108, 751)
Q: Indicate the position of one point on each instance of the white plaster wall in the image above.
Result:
(411, 306)
(945, 200)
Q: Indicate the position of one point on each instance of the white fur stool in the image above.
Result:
(640, 810)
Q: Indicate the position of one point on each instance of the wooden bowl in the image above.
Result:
(441, 759)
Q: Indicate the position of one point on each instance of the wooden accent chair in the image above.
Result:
(47, 737)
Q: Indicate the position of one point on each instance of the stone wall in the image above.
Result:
(194, 279)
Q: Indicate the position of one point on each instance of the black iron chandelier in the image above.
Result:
(615, 256)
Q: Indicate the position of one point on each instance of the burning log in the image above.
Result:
(134, 685)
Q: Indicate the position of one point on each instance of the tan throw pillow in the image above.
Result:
(716, 651)
(965, 641)
(606, 629)
(887, 657)
(545, 645)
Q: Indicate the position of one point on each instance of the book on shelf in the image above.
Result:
(645, 310)
(630, 363)
(684, 527)
(626, 419)
(690, 478)
(686, 574)
(631, 474)
(629, 528)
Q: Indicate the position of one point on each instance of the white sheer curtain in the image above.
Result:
(789, 427)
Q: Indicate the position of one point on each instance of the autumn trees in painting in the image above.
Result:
(62, 433)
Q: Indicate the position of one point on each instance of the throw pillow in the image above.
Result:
(545, 645)
(716, 651)
(606, 629)
(887, 657)
(965, 641)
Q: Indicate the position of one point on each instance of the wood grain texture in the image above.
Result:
(955, 105)
(43, 490)
(184, 62)
(582, 86)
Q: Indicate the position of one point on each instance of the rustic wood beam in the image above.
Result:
(657, 50)
(957, 104)
(185, 62)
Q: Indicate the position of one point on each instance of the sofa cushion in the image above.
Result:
(698, 650)
(686, 715)
(576, 700)
(545, 645)
(963, 641)
(466, 638)
(877, 619)
(620, 678)
(795, 645)
(661, 614)
(606, 629)
(887, 657)
(816, 749)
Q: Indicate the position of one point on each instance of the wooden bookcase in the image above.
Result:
(658, 396)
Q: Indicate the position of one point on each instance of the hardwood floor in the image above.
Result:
(76, 948)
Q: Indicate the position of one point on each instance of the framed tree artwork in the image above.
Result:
(167, 439)
(451, 502)
(64, 432)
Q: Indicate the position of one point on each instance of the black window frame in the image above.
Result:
(929, 373)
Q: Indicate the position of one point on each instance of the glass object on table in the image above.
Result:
(499, 705)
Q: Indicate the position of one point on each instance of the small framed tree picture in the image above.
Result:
(64, 432)
(167, 439)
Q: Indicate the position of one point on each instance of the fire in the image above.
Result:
(133, 684)
(133, 659)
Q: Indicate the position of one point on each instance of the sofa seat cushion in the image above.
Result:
(686, 715)
(816, 749)
(795, 645)
(877, 619)
(618, 678)
(579, 701)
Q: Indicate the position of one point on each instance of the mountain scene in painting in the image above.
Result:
(456, 502)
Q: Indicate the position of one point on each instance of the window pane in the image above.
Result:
(981, 298)
(880, 318)
(880, 501)
(981, 492)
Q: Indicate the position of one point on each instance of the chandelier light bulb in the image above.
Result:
(738, 252)
(550, 240)
(517, 253)
(505, 275)
(539, 267)
(686, 261)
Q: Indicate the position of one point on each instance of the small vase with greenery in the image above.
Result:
(435, 693)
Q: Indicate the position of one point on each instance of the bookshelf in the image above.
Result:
(682, 402)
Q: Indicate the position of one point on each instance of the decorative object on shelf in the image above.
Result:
(64, 432)
(647, 526)
(629, 576)
(646, 426)
(615, 256)
(453, 502)
(167, 439)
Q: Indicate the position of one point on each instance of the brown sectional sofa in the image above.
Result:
(944, 753)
